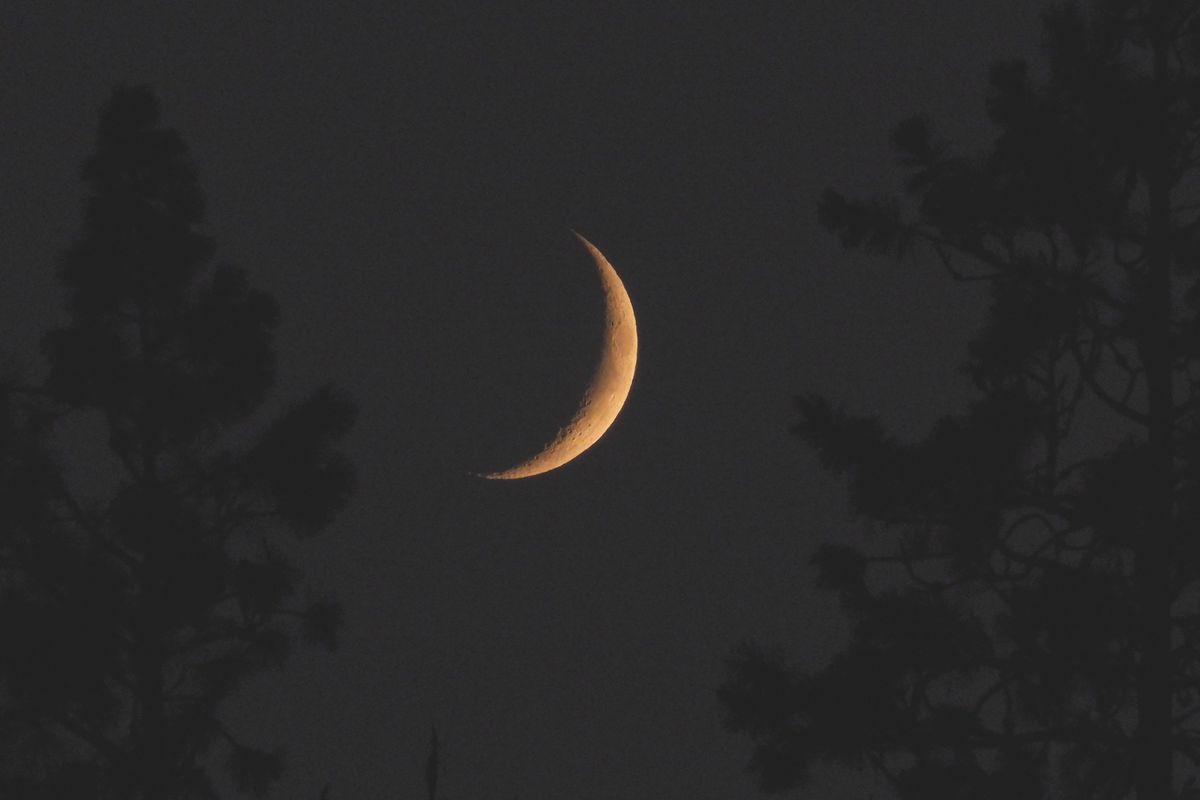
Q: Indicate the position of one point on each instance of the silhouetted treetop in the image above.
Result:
(127, 620)
(152, 335)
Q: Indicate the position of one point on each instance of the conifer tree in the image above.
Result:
(129, 613)
(1024, 617)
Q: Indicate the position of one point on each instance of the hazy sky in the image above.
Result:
(403, 180)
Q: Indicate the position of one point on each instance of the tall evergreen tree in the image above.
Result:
(1025, 616)
(128, 615)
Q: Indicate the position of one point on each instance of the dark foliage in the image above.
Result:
(1025, 616)
(129, 614)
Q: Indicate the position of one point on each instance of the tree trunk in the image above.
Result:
(150, 734)
(1152, 754)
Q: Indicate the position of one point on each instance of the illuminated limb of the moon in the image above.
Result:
(609, 385)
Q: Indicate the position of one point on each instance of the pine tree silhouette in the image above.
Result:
(126, 621)
(1025, 622)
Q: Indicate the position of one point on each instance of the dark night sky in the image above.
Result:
(403, 181)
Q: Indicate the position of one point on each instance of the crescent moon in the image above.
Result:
(609, 386)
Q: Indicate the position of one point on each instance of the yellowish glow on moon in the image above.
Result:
(608, 388)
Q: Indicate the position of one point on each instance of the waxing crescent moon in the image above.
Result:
(609, 385)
